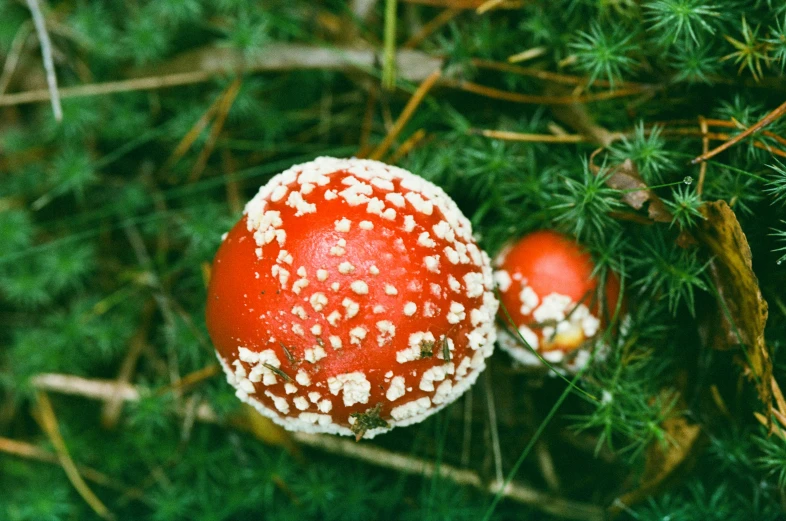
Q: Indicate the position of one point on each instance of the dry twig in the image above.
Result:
(766, 120)
(48, 421)
(406, 114)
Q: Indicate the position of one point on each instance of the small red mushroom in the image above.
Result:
(545, 283)
(351, 298)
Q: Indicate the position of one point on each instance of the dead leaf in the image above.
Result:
(742, 311)
(635, 192)
(664, 460)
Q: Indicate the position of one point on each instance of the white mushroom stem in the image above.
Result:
(108, 389)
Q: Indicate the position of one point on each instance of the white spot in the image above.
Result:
(375, 206)
(417, 201)
(316, 330)
(322, 275)
(284, 256)
(409, 223)
(442, 230)
(280, 403)
(529, 336)
(343, 225)
(290, 388)
(298, 286)
(333, 318)
(529, 300)
(452, 255)
(302, 378)
(443, 392)
(314, 396)
(389, 214)
(299, 312)
(503, 280)
(295, 200)
(330, 195)
(318, 301)
(357, 334)
(456, 313)
(474, 282)
(278, 193)
(553, 307)
(355, 387)
(426, 241)
(454, 284)
(301, 403)
(325, 406)
(434, 374)
(396, 390)
(351, 307)
(366, 225)
(335, 286)
(346, 268)
(298, 330)
(432, 263)
(395, 198)
(301, 271)
(390, 290)
(359, 287)
(384, 184)
(335, 342)
(373, 270)
(314, 354)
(410, 308)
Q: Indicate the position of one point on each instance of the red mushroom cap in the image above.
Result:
(351, 298)
(546, 285)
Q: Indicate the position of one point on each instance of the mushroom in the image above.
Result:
(546, 285)
(351, 298)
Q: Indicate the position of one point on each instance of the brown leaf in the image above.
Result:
(664, 460)
(742, 311)
(625, 177)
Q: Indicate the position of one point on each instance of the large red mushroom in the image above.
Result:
(546, 285)
(351, 298)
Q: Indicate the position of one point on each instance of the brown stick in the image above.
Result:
(430, 27)
(766, 120)
(411, 142)
(412, 65)
(705, 146)
(566, 79)
(227, 99)
(465, 4)
(515, 97)
(406, 114)
(33, 452)
(507, 135)
(48, 421)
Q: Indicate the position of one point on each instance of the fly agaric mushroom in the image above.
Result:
(351, 298)
(545, 283)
